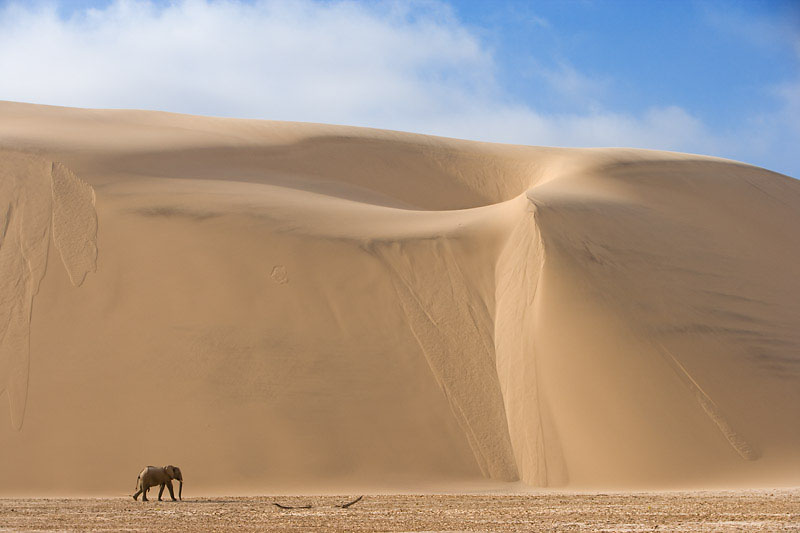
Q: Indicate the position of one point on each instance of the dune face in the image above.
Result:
(279, 306)
(36, 196)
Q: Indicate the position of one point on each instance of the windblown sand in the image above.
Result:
(283, 307)
(700, 511)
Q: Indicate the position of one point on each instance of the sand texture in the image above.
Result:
(300, 307)
(730, 511)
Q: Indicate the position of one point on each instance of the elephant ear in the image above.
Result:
(74, 223)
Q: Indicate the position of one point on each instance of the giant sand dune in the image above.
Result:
(283, 306)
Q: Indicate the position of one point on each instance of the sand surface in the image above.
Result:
(699, 511)
(309, 308)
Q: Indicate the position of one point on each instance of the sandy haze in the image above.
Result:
(297, 307)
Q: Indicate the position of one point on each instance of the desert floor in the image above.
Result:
(763, 510)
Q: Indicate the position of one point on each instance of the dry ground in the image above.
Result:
(764, 510)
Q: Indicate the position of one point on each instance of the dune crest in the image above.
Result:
(283, 306)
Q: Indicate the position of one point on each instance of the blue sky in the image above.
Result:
(704, 56)
(719, 78)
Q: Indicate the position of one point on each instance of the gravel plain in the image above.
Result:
(763, 510)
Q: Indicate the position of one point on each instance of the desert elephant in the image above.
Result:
(158, 475)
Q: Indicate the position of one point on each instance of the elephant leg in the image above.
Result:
(160, 491)
(136, 496)
(144, 494)
(171, 494)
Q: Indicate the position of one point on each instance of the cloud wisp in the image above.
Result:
(407, 66)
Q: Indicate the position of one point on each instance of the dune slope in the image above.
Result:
(280, 306)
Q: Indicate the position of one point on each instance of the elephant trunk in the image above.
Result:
(180, 490)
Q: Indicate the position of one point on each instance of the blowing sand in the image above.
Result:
(309, 308)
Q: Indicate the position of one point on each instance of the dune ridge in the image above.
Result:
(285, 306)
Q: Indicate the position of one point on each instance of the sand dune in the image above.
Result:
(280, 306)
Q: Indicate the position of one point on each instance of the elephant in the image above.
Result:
(151, 476)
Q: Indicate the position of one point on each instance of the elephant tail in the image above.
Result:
(138, 478)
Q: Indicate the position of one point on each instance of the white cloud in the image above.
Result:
(300, 60)
(772, 139)
(574, 87)
(397, 65)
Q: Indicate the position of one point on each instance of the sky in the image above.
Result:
(717, 78)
